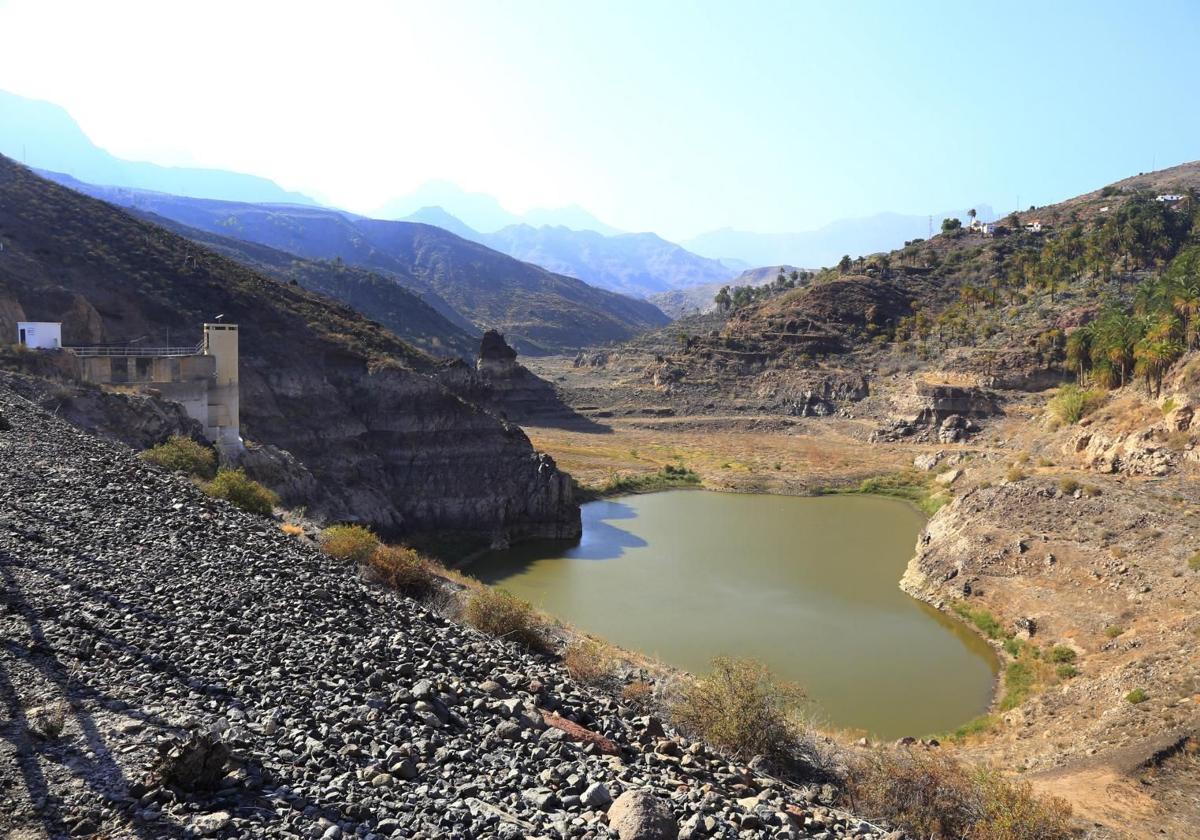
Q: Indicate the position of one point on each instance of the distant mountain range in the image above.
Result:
(469, 284)
(637, 264)
(44, 136)
(825, 245)
(483, 213)
(566, 241)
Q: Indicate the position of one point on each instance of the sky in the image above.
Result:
(664, 115)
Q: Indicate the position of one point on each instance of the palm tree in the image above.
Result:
(1116, 334)
(1154, 354)
(1079, 350)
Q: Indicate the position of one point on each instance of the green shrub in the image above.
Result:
(740, 709)
(929, 794)
(505, 616)
(981, 618)
(1113, 630)
(1018, 685)
(1066, 672)
(349, 542)
(1090, 491)
(1194, 562)
(182, 454)
(666, 478)
(1068, 486)
(236, 487)
(1138, 695)
(1062, 653)
(1072, 403)
(1014, 474)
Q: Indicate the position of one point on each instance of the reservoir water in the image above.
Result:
(807, 585)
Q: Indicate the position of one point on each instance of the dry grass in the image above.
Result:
(402, 569)
(503, 615)
(292, 530)
(741, 710)
(728, 458)
(349, 542)
(590, 661)
(929, 794)
(638, 693)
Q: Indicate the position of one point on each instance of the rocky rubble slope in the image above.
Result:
(137, 612)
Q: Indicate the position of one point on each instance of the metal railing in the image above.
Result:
(135, 350)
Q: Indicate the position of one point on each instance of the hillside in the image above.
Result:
(44, 136)
(700, 299)
(637, 264)
(376, 296)
(175, 668)
(359, 408)
(538, 310)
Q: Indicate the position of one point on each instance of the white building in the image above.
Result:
(1034, 227)
(1170, 197)
(40, 335)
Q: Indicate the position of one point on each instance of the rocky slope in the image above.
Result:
(359, 408)
(173, 667)
(540, 311)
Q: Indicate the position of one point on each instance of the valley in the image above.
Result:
(1024, 393)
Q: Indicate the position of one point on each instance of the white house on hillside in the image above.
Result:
(40, 335)
(1170, 197)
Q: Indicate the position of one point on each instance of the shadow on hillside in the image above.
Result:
(93, 766)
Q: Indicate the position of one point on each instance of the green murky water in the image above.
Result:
(807, 585)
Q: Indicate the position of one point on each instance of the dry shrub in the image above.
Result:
(741, 710)
(292, 530)
(929, 794)
(505, 616)
(638, 693)
(589, 661)
(237, 487)
(402, 568)
(182, 454)
(349, 542)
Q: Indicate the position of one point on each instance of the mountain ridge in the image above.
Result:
(43, 135)
(540, 312)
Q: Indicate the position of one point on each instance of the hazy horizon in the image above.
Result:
(776, 118)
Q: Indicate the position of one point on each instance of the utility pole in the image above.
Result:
(930, 228)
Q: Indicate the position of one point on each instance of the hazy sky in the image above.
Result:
(658, 115)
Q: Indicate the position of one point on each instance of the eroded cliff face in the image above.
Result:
(406, 454)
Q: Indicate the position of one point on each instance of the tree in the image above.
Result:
(723, 300)
(951, 225)
(844, 264)
(1079, 351)
(972, 214)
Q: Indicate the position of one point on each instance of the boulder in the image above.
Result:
(640, 815)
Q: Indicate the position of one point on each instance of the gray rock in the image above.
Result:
(596, 796)
(640, 815)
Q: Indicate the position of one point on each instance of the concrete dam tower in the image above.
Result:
(202, 378)
(221, 424)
